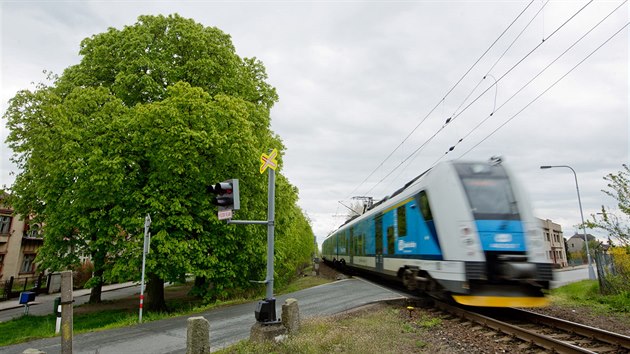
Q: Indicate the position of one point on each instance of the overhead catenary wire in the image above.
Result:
(481, 81)
(441, 100)
(533, 78)
(546, 90)
(499, 59)
(521, 60)
(450, 120)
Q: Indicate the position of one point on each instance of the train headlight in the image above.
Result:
(467, 239)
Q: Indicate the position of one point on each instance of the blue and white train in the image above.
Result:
(464, 229)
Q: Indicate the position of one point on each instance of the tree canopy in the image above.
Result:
(152, 115)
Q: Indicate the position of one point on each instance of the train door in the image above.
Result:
(378, 232)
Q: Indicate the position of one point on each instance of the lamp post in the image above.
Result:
(591, 272)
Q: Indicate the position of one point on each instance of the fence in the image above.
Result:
(12, 287)
(613, 269)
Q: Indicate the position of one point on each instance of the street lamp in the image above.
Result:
(591, 272)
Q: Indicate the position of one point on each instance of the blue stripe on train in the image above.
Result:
(501, 235)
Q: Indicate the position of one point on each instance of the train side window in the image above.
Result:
(360, 251)
(351, 245)
(378, 232)
(402, 221)
(425, 208)
(390, 240)
(363, 244)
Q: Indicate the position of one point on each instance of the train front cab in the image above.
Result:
(514, 272)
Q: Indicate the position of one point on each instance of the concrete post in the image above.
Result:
(198, 336)
(291, 316)
(66, 312)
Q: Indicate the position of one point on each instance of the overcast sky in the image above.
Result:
(355, 78)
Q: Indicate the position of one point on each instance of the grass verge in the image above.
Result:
(586, 293)
(374, 329)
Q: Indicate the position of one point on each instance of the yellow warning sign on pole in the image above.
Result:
(269, 161)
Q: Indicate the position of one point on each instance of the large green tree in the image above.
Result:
(151, 116)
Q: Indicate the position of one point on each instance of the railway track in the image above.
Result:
(553, 334)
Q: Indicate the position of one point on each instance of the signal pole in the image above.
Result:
(266, 309)
(271, 208)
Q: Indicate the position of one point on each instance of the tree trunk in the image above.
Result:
(95, 293)
(155, 294)
(99, 263)
(199, 288)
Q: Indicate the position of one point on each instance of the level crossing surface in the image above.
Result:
(228, 324)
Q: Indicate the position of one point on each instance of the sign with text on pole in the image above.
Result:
(269, 161)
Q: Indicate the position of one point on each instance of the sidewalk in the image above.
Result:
(15, 303)
(568, 268)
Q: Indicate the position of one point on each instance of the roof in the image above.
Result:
(581, 237)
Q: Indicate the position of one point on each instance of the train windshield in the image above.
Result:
(489, 191)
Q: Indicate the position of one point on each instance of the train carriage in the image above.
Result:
(462, 228)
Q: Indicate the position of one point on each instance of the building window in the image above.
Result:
(1, 261)
(5, 224)
(28, 264)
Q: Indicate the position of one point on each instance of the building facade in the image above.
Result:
(19, 243)
(554, 243)
(575, 243)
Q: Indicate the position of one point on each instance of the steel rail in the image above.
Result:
(619, 340)
(521, 333)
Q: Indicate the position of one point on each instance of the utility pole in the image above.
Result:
(591, 272)
(145, 250)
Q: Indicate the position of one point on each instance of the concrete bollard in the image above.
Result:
(291, 316)
(198, 336)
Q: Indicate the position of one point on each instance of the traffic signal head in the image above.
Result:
(227, 195)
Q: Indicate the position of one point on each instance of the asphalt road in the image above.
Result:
(227, 324)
